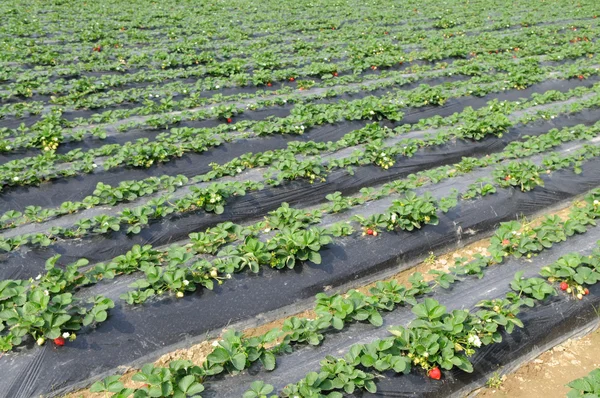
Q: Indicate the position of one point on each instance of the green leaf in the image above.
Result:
(314, 257)
(239, 361)
(376, 319)
(268, 360)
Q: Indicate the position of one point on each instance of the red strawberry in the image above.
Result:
(586, 291)
(269, 84)
(435, 374)
(292, 79)
(506, 178)
(335, 74)
(369, 231)
(580, 77)
(59, 341)
(564, 286)
(505, 242)
(228, 120)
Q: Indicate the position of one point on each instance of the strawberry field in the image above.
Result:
(295, 191)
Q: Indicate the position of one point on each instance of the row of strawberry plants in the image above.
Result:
(164, 105)
(405, 214)
(144, 153)
(234, 352)
(263, 77)
(105, 194)
(408, 213)
(332, 49)
(485, 64)
(283, 259)
(519, 173)
(435, 339)
(54, 120)
(129, 190)
(151, 25)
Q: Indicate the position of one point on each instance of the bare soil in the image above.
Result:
(547, 375)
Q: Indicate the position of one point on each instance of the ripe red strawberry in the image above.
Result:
(59, 341)
(564, 286)
(580, 77)
(586, 291)
(369, 231)
(505, 242)
(435, 374)
(228, 120)
(335, 74)
(269, 84)
(292, 79)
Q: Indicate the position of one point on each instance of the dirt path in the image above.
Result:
(547, 375)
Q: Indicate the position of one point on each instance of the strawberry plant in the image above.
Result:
(587, 386)
(524, 175)
(289, 246)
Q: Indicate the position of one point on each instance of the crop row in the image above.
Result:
(214, 197)
(322, 66)
(292, 244)
(143, 153)
(234, 352)
(130, 190)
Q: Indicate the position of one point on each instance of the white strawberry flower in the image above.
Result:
(474, 340)
(46, 293)
(186, 282)
(66, 335)
(37, 278)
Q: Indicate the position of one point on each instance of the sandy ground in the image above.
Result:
(547, 375)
